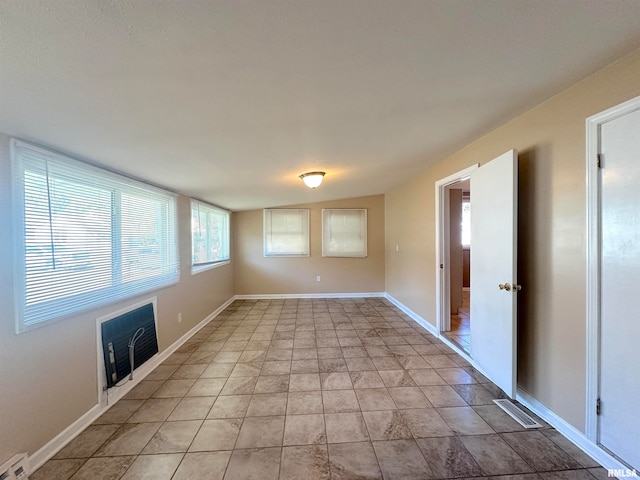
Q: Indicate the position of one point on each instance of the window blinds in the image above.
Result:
(286, 232)
(344, 232)
(86, 236)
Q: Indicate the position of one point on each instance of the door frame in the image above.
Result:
(593, 241)
(443, 275)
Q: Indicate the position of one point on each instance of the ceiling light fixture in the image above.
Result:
(312, 179)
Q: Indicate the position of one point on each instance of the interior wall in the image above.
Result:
(551, 141)
(255, 274)
(36, 403)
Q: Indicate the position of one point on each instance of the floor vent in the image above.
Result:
(518, 415)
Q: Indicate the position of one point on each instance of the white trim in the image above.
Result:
(570, 432)
(210, 266)
(72, 431)
(413, 315)
(276, 296)
(593, 124)
(443, 316)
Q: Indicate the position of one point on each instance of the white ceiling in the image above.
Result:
(230, 100)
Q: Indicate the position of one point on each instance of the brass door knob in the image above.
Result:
(505, 286)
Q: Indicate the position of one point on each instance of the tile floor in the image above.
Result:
(460, 332)
(314, 389)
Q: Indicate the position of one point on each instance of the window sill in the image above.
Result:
(204, 268)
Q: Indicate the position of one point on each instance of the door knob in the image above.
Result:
(505, 286)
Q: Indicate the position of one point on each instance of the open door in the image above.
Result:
(493, 269)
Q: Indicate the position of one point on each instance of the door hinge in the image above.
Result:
(442, 265)
(598, 406)
(599, 160)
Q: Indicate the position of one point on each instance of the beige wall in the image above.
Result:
(255, 274)
(552, 209)
(35, 404)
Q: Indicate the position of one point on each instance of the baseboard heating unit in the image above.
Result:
(520, 416)
(128, 340)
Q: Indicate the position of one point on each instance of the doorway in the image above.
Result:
(613, 259)
(493, 272)
(459, 328)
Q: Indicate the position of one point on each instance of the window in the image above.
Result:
(286, 232)
(86, 236)
(466, 223)
(209, 236)
(344, 232)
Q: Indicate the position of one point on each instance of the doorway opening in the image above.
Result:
(453, 200)
(459, 265)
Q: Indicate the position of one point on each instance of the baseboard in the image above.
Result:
(276, 296)
(37, 459)
(570, 432)
(414, 316)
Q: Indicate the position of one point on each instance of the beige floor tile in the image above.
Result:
(254, 464)
(209, 465)
(153, 467)
(345, 427)
(304, 403)
(100, 469)
(154, 410)
(216, 434)
(230, 406)
(88, 442)
(304, 429)
(353, 461)
(261, 432)
(303, 382)
(386, 425)
(339, 401)
(129, 439)
(272, 384)
(64, 468)
(309, 462)
(192, 408)
(464, 421)
(173, 437)
(366, 379)
(401, 459)
(408, 397)
(267, 404)
(374, 399)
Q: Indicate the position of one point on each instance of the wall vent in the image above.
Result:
(16, 469)
(517, 414)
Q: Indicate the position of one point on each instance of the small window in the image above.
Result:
(286, 232)
(466, 223)
(89, 236)
(209, 236)
(344, 232)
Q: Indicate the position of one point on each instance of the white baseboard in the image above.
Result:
(276, 296)
(414, 316)
(570, 432)
(38, 458)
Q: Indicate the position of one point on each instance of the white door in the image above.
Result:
(494, 238)
(619, 422)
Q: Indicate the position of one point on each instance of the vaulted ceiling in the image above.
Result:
(230, 100)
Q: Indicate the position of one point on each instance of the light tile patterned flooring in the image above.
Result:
(314, 389)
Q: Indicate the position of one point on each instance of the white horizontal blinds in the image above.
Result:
(209, 234)
(90, 236)
(344, 232)
(286, 232)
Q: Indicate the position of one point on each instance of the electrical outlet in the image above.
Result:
(180, 317)
(318, 278)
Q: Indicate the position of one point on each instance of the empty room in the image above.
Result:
(359, 239)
